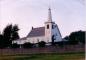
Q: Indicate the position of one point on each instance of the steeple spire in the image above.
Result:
(49, 15)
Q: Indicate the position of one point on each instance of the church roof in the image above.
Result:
(35, 32)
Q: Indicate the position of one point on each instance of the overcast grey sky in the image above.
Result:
(68, 14)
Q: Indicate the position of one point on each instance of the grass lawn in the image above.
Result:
(54, 56)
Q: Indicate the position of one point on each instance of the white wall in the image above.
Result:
(57, 33)
(19, 41)
(48, 32)
(31, 40)
(36, 39)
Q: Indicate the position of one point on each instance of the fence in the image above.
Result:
(49, 49)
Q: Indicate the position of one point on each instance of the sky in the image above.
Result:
(69, 15)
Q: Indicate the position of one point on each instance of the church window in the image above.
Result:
(47, 26)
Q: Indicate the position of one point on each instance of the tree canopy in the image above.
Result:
(9, 34)
(41, 44)
(76, 37)
(27, 45)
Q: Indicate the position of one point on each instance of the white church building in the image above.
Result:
(48, 33)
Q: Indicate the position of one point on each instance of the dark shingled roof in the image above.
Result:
(35, 32)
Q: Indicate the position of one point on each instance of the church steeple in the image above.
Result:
(49, 15)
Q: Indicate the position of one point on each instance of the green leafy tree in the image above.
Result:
(41, 44)
(15, 30)
(76, 37)
(61, 44)
(10, 33)
(81, 36)
(66, 38)
(53, 38)
(7, 35)
(15, 45)
(27, 45)
(1, 41)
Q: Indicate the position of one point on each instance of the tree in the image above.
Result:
(53, 38)
(27, 45)
(76, 37)
(10, 33)
(73, 38)
(41, 44)
(66, 38)
(61, 44)
(1, 41)
(81, 36)
(7, 35)
(15, 45)
(15, 30)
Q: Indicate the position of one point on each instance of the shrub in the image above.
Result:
(15, 45)
(27, 45)
(41, 44)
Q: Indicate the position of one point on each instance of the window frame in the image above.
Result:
(48, 26)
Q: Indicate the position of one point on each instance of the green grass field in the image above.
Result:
(54, 56)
